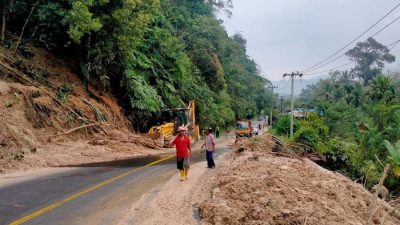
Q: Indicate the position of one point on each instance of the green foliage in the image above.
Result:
(153, 55)
(394, 158)
(338, 155)
(143, 96)
(370, 169)
(307, 135)
(361, 118)
(63, 92)
(341, 118)
(282, 126)
(382, 89)
(370, 57)
(394, 152)
(81, 20)
(312, 132)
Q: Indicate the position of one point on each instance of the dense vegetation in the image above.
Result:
(161, 54)
(151, 54)
(358, 111)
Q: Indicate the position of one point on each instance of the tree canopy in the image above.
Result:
(360, 109)
(151, 54)
(370, 57)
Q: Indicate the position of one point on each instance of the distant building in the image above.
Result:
(300, 113)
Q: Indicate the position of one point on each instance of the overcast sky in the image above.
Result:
(290, 35)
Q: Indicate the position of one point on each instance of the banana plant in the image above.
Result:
(394, 152)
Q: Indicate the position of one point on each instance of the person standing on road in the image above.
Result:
(217, 132)
(210, 148)
(182, 144)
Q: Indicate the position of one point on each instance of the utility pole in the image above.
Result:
(281, 105)
(292, 76)
(272, 103)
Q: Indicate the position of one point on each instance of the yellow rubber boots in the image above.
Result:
(186, 173)
(182, 172)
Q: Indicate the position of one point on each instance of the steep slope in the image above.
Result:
(47, 118)
(152, 54)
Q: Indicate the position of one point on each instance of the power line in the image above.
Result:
(395, 43)
(324, 71)
(383, 28)
(355, 39)
(340, 56)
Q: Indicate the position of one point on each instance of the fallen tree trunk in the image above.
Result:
(78, 128)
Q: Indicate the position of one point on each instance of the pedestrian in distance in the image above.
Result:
(183, 151)
(209, 144)
(217, 132)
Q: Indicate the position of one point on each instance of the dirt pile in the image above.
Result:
(47, 118)
(255, 186)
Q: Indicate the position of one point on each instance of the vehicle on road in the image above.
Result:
(255, 129)
(173, 118)
(243, 128)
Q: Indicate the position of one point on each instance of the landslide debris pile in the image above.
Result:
(256, 186)
(45, 113)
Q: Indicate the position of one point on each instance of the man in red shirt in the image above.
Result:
(182, 144)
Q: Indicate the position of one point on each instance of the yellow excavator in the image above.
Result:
(173, 118)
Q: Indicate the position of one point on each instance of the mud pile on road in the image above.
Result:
(255, 186)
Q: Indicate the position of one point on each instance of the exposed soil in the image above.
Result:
(253, 185)
(258, 187)
(42, 102)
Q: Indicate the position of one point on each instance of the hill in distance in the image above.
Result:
(299, 84)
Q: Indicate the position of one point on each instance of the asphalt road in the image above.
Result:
(97, 193)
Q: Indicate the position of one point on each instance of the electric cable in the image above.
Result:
(393, 44)
(355, 39)
(383, 28)
(340, 56)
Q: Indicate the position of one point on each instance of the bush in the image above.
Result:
(282, 127)
(337, 156)
(308, 136)
(312, 132)
(342, 118)
(63, 92)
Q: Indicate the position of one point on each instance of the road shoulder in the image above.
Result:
(176, 201)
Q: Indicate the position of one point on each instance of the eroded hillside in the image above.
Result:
(47, 118)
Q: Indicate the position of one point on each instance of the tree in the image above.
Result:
(225, 5)
(23, 28)
(370, 57)
(152, 54)
(382, 88)
(81, 21)
(5, 9)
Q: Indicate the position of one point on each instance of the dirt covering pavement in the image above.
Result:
(252, 185)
